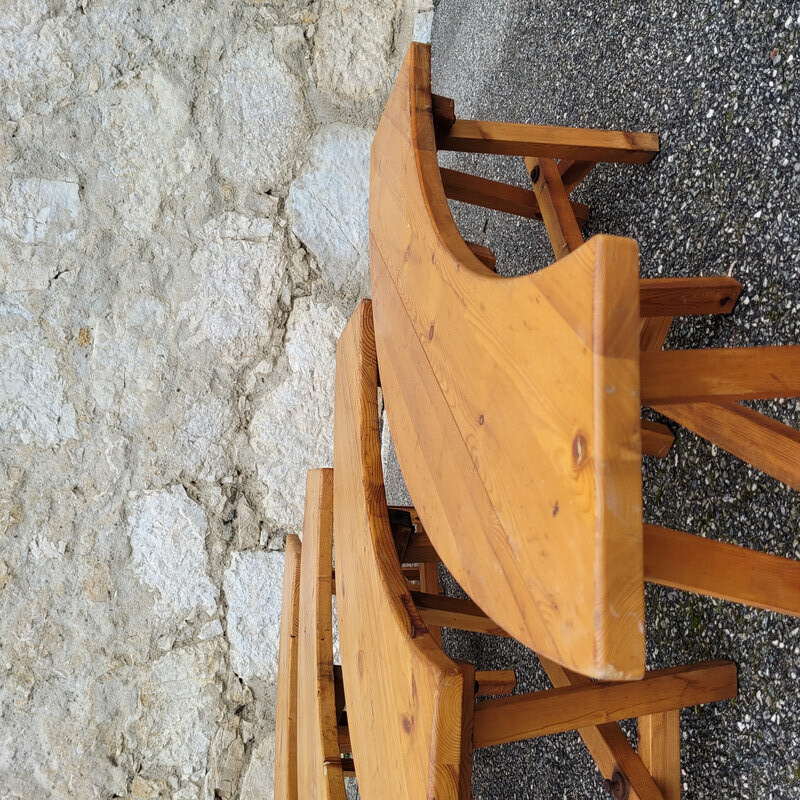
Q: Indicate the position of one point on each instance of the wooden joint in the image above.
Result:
(444, 114)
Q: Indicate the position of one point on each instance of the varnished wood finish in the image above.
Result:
(499, 196)
(411, 574)
(694, 564)
(348, 768)
(450, 612)
(573, 172)
(545, 141)
(495, 682)
(735, 373)
(285, 785)
(763, 442)
(404, 695)
(554, 204)
(530, 496)
(660, 750)
(606, 743)
(467, 743)
(509, 719)
(345, 745)
(444, 113)
(664, 297)
(319, 766)
(420, 550)
(653, 332)
(484, 255)
(657, 439)
(429, 585)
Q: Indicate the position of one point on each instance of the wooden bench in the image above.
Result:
(312, 740)
(514, 404)
(413, 720)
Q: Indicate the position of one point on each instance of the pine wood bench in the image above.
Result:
(514, 403)
(312, 742)
(413, 720)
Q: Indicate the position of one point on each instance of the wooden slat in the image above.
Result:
(404, 695)
(573, 172)
(402, 528)
(286, 703)
(450, 612)
(484, 255)
(694, 564)
(607, 744)
(664, 297)
(319, 769)
(759, 440)
(554, 204)
(653, 332)
(660, 750)
(411, 574)
(657, 439)
(495, 682)
(499, 196)
(526, 716)
(545, 141)
(746, 373)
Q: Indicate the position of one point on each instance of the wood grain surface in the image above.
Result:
(319, 763)
(514, 406)
(404, 695)
(285, 785)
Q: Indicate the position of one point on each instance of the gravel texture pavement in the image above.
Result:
(716, 80)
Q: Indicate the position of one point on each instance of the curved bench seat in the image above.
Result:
(514, 407)
(393, 660)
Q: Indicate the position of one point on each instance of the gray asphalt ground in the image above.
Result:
(716, 80)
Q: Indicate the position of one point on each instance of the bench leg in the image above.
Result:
(762, 442)
(607, 744)
(429, 584)
(554, 205)
(660, 750)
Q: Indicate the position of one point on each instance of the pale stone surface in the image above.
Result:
(33, 404)
(42, 210)
(253, 586)
(260, 771)
(328, 206)
(241, 261)
(181, 700)
(292, 428)
(264, 122)
(168, 542)
(167, 346)
(353, 45)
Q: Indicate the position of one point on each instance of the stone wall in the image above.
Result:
(183, 233)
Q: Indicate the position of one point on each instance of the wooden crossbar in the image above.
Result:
(607, 744)
(527, 716)
(499, 196)
(694, 564)
(450, 612)
(546, 141)
(736, 373)
(759, 440)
